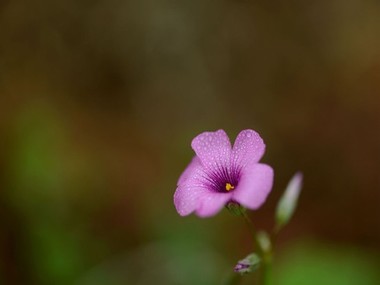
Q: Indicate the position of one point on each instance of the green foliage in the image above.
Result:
(166, 263)
(316, 264)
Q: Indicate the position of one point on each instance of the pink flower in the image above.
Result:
(219, 174)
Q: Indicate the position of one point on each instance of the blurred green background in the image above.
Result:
(99, 103)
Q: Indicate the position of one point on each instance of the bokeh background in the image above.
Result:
(99, 103)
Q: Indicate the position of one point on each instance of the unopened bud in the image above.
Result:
(248, 264)
(264, 241)
(288, 202)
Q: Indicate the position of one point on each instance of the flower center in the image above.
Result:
(223, 179)
(229, 187)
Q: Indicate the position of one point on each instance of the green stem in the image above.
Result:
(265, 254)
(252, 228)
(267, 269)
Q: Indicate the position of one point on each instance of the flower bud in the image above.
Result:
(248, 264)
(288, 201)
(264, 241)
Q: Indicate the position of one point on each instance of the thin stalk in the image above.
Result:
(267, 269)
(265, 254)
(252, 228)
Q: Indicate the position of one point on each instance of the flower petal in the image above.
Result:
(248, 147)
(212, 148)
(186, 198)
(211, 203)
(255, 184)
(191, 171)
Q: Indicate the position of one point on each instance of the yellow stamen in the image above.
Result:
(229, 187)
